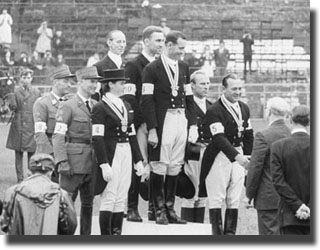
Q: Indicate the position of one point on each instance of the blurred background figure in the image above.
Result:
(93, 59)
(25, 60)
(58, 43)
(44, 39)
(221, 59)
(5, 28)
(60, 60)
(247, 41)
(163, 25)
(206, 60)
(37, 63)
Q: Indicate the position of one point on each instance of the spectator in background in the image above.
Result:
(93, 59)
(193, 61)
(259, 183)
(59, 60)
(206, 60)
(20, 137)
(58, 43)
(5, 28)
(8, 60)
(24, 60)
(221, 58)
(37, 63)
(290, 170)
(247, 41)
(44, 40)
(163, 25)
(49, 62)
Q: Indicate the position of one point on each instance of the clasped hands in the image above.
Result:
(243, 160)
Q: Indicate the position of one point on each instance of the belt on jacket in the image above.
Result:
(176, 111)
(79, 140)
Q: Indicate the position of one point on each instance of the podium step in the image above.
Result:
(150, 228)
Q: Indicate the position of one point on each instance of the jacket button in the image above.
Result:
(117, 128)
(118, 133)
(172, 100)
(173, 105)
(127, 139)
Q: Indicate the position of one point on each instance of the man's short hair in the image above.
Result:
(228, 76)
(278, 106)
(194, 74)
(174, 35)
(149, 30)
(110, 34)
(301, 115)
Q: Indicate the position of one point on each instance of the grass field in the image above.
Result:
(247, 222)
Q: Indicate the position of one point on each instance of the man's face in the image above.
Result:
(26, 80)
(201, 85)
(155, 42)
(64, 86)
(88, 85)
(176, 51)
(117, 87)
(233, 91)
(117, 43)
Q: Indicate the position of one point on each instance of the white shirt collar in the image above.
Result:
(149, 58)
(233, 105)
(297, 130)
(115, 100)
(55, 96)
(169, 60)
(201, 102)
(82, 98)
(115, 58)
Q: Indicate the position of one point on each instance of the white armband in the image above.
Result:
(60, 128)
(97, 130)
(129, 89)
(249, 125)
(216, 128)
(40, 127)
(147, 89)
(188, 89)
(133, 130)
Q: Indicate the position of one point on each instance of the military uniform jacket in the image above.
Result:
(133, 89)
(106, 134)
(21, 131)
(290, 169)
(44, 115)
(73, 123)
(259, 184)
(224, 141)
(156, 102)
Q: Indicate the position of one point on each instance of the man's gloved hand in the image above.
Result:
(146, 173)
(193, 134)
(139, 168)
(303, 213)
(65, 168)
(107, 172)
(242, 160)
(153, 138)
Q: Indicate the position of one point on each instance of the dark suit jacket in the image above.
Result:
(290, 170)
(226, 141)
(105, 146)
(133, 71)
(259, 183)
(154, 106)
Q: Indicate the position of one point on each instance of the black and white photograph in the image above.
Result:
(158, 118)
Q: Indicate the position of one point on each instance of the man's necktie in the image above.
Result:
(88, 106)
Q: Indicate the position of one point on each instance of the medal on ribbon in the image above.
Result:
(173, 79)
(123, 117)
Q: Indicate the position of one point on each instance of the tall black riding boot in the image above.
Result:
(230, 221)
(216, 221)
(157, 186)
(170, 194)
(116, 223)
(133, 197)
(85, 220)
(105, 218)
(151, 210)
(199, 214)
(187, 214)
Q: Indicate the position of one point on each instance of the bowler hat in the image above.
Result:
(192, 152)
(87, 73)
(60, 72)
(114, 75)
(185, 188)
(41, 162)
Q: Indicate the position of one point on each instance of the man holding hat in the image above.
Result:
(291, 174)
(21, 133)
(38, 206)
(72, 146)
(259, 184)
(116, 147)
(45, 109)
(193, 209)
